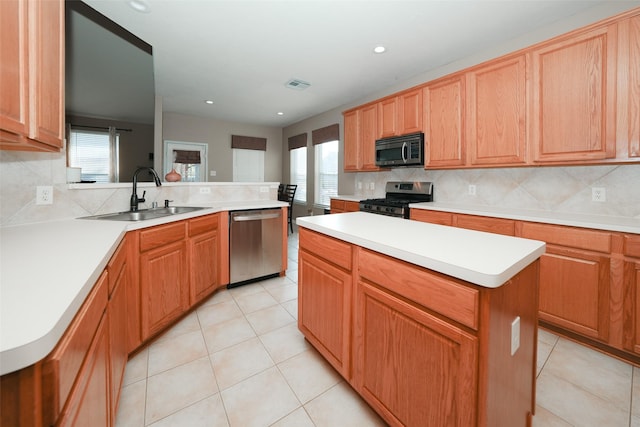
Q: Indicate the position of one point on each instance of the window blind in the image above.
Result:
(326, 172)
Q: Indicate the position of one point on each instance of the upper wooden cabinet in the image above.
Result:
(573, 112)
(352, 158)
(360, 134)
(444, 121)
(497, 104)
(401, 114)
(32, 75)
(628, 124)
(388, 117)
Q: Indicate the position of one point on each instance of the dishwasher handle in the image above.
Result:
(255, 217)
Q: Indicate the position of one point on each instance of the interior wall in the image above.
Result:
(217, 133)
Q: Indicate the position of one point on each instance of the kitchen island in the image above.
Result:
(430, 324)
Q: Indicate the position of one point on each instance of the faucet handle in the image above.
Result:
(166, 203)
(141, 199)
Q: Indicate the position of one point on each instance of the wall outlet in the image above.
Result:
(44, 195)
(212, 173)
(264, 189)
(515, 335)
(472, 190)
(372, 186)
(598, 194)
(359, 185)
(205, 190)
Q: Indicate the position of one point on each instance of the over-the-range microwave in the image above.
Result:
(404, 150)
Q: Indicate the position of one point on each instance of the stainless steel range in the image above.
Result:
(398, 197)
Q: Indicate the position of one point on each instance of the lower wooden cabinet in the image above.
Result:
(422, 348)
(416, 368)
(589, 279)
(203, 255)
(324, 307)
(164, 279)
(339, 206)
(89, 403)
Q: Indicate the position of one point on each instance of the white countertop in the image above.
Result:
(483, 259)
(48, 269)
(598, 222)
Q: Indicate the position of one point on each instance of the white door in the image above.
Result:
(189, 159)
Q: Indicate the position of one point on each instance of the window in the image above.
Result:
(96, 152)
(298, 165)
(248, 165)
(326, 172)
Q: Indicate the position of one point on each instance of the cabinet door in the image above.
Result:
(14, 73)
(632, 323)
(410, 112)
(324, 309)
(628, 125)
(490, 225)
(368, 135)
(351, 141)
(46, 24)
(164, 286)
(89, 403)
(387, 117)
(443, 106)
(497, 110)
(414, 368)
(573, 112)
(203, 265)
(120, 279)
(574, 291)
(31, 78)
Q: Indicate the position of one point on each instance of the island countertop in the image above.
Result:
(481, 258)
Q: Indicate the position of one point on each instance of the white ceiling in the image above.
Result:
(241, 53)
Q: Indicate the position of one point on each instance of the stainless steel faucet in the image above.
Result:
(134, 196)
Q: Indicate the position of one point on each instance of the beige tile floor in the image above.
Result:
(239, 360)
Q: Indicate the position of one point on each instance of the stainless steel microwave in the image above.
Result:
(404, 150)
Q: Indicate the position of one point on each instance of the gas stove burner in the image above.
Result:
(399, 196)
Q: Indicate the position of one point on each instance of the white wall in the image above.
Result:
(217, 133)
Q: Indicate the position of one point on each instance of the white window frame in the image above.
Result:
(322, 152)
(111, 160)
(298, 162)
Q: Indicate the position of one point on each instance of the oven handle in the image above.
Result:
(404, 152)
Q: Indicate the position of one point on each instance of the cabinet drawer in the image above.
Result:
(337, 204)
(203, 224)
(591, 240)
(331, 249)
(434, 217)
(632, 245)
(434, 291)
(161, 235)
(61, 367)
(490, 225)
(350, 206)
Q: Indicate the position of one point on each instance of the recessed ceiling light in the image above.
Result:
(208, 101)
(379, 49)
(280, 113)
(140, 5)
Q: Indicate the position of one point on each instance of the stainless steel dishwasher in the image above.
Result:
(255, 245)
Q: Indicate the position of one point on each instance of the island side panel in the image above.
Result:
(507, 383)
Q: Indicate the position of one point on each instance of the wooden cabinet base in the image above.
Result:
(422, 348)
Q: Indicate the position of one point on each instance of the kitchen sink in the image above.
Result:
(144, 214)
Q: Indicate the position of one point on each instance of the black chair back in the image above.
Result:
(286, 193)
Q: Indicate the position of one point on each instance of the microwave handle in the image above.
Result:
(404, 152)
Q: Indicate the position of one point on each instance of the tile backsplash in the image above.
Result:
(22, 172)
(552, 189)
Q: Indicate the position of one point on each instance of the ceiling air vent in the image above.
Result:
(297, 84)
